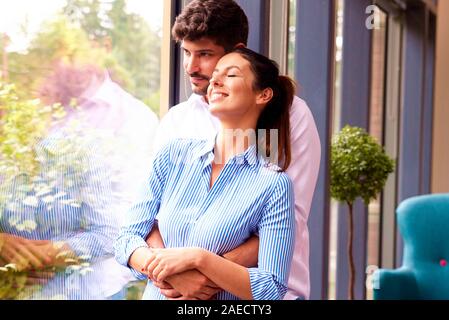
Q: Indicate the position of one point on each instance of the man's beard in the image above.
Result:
(202, 91)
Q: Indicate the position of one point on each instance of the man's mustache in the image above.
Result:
(197, 75)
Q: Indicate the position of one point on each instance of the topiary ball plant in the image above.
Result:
(359, 167)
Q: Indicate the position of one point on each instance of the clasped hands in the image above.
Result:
(25, 254)
(174, 272)
(35, 257)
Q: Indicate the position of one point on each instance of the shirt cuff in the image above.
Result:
(139, 276)
(263, 285)
(131, 246)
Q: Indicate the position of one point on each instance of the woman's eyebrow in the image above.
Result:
(228, 68)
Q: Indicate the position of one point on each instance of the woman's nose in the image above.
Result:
(215, 81)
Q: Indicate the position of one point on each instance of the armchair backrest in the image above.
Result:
(424, 225)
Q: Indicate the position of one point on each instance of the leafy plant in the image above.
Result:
(359, 167)
(22, 124)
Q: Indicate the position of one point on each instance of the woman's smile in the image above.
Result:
(216, 96)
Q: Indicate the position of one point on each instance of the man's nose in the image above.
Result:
(192, 65)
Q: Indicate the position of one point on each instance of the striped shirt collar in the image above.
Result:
(248, 157)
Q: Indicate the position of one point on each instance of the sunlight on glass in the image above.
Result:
(79, 98)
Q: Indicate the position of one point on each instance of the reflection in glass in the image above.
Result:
(291, 39)
(78, 96)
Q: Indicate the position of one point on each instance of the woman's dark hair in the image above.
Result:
(276, 114)
(223, 21)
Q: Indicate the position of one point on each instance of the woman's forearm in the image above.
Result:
(138, 258)
(229, 276)
(226, 274)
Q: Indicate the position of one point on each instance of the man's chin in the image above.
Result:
(199, 91)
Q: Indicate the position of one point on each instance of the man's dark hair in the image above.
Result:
(222, 21)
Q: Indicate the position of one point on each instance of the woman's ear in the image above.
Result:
(264, 96)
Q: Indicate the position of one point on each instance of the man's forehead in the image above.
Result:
(203, 44)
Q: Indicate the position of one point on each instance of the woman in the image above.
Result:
(211, 196)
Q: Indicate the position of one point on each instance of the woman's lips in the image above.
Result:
(215, 96)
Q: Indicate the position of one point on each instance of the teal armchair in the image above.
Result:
(423, 222)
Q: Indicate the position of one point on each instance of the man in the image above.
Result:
(207, 30)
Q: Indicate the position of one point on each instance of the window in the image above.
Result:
(122, 36)
(336, 126)
(291, 38)
(75, 74)
(376, 128)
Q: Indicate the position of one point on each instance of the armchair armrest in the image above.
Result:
(397, 284)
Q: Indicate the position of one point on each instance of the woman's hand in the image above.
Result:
(189, 285)
(163, 263)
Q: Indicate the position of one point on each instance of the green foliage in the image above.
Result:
(12, 283)
(22, 124)
(94, 32)
(58, 41)
(135, 46)
(359, 166)
(86, 13)
(153, 102)
(135, 290)
(87, 32)
(30, 173)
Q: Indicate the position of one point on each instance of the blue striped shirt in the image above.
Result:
(249, 197)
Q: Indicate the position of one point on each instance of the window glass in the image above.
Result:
(376, 129)
(291, 38)
(79, 106)
(335, 128)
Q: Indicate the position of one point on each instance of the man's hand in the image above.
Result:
(60, 255)
(24, 253)
(34, 255)
(39, 277)
(189, 288)
(247, 254)
(190, 285)
(168, 291)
